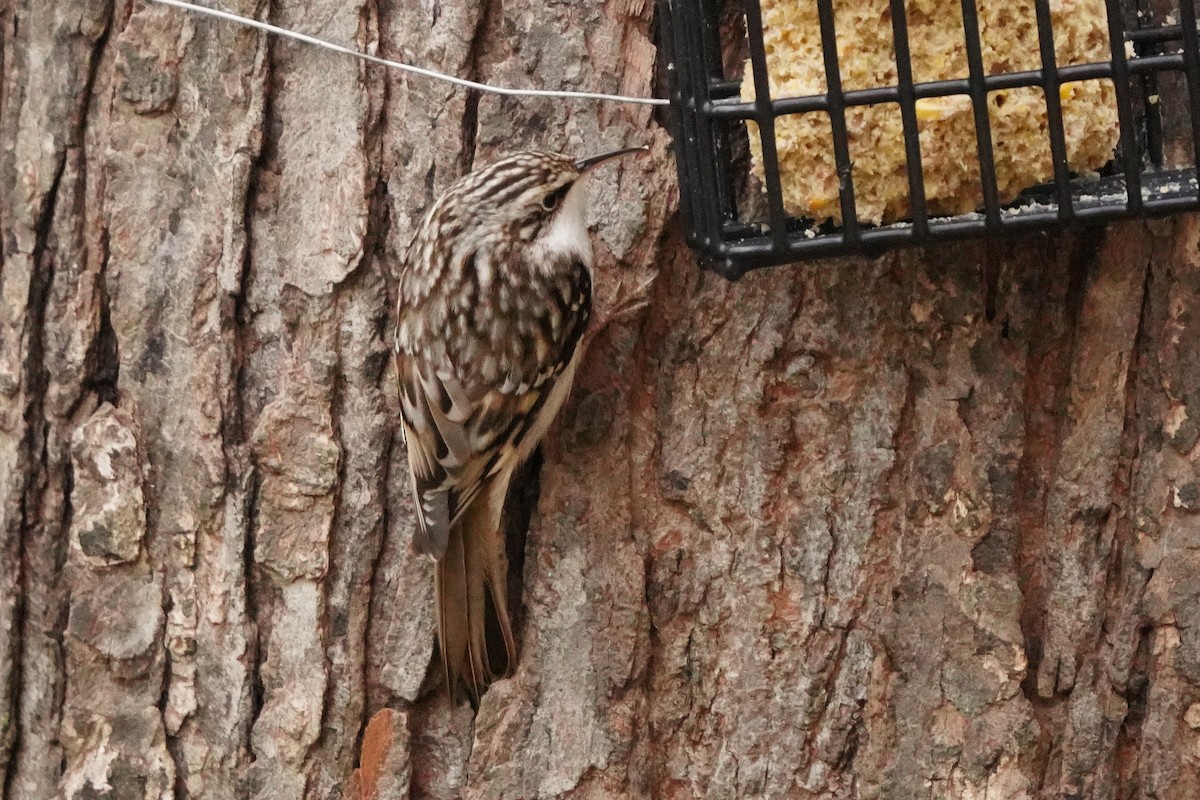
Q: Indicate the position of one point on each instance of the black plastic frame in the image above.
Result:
(708, 111)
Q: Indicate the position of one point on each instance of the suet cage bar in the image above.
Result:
(1154, 68)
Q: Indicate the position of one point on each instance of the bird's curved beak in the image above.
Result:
(585, 164)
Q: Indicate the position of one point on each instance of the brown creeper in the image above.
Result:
(495, 293)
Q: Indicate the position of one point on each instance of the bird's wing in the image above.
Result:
(457, 440)
(460, 434)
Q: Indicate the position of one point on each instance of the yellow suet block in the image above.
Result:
(949, 154)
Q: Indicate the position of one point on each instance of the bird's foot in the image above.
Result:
(623, 308)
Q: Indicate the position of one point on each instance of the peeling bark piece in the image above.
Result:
(122, 757)
(112, 734)
(294, 683)
(110, 515)
(119, 619)
(298, 456)
(322, 203)
(148, 55)
(384, 768)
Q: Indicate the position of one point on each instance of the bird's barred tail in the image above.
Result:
(474, 631)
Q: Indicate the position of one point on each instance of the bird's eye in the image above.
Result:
(551, 201)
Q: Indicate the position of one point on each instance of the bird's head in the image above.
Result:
(533, 200)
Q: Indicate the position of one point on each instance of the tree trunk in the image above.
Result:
(916, 527)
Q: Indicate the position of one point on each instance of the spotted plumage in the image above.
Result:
(494, 298)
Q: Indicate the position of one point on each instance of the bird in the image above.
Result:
(494, 298)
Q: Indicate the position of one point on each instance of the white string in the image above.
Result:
(428, 73)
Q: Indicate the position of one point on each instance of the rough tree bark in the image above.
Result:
(917, 527)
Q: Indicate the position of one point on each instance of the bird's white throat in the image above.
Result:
(567, 238)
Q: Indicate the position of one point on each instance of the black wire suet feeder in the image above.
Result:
(1150, 61)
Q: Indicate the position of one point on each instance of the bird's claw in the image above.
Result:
(625, 306)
